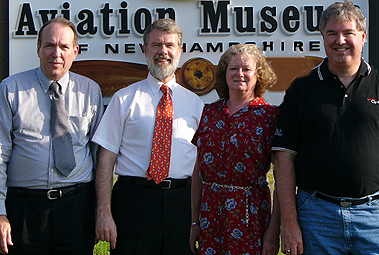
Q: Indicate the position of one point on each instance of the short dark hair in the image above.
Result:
(341, 12)
(62, 21)
(166, 25)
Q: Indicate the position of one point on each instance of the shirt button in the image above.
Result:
(346, 95)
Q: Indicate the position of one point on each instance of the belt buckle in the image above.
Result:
(169, 184)
(50, 192)
(345, 203)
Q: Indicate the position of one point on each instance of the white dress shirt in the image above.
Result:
(127, 127)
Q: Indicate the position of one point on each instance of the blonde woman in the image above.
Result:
(231, 200)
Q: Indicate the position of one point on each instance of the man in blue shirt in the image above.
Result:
(50, 211)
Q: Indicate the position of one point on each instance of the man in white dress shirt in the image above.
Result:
(144, 217)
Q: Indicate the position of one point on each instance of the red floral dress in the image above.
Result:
(234, 157)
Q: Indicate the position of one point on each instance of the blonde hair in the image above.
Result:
(265, 73)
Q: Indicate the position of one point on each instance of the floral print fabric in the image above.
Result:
(233, 154)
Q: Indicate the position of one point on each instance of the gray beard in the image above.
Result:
(161, 72)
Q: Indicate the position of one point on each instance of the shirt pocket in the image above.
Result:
(80, 127)
(250, 139)
(211, 133)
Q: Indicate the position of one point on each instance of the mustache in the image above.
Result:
(162, 57)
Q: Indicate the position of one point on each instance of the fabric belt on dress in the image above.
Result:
(50, 194)
(343, 201)
(165, 184)
(245, 191)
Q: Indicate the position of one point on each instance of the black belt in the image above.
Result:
(343, 201)
(50, 194)
(165, 184)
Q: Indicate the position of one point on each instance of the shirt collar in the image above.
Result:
(256, 103)
(156, 84)
(324, 73)
(46, 81)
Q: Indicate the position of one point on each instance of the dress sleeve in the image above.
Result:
(271, 127)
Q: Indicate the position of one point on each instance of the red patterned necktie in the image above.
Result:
(161, 150)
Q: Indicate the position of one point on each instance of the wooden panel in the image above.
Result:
(114, 75)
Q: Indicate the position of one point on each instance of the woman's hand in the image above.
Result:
(194, 237)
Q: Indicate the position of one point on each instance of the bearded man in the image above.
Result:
(148, 211)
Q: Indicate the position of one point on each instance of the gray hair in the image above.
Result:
(166, 25)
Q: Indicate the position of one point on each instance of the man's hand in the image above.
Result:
(5, 233)
(292, 239)
(106, 228)
(285, 182)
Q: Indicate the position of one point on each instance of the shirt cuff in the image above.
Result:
(2, 208)
(283, 149)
